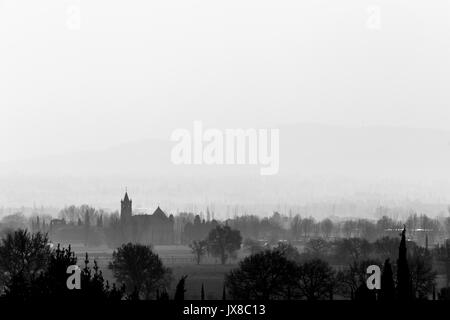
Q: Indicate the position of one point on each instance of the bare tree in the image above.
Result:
(223, 242)
(199, 248)
(23, 255)
(140, 269)
(326, 227)
(316, 280)
(263, 276)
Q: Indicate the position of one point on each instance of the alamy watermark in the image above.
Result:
(374, 280)
(74, 280)
(373, 21)
(227, 147)
(73, 15)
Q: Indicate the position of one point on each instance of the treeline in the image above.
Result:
(296, 228)
(95, 226)
(284, 273)
(31, 269)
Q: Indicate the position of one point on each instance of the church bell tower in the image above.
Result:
(125, 209)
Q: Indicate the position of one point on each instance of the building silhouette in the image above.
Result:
(156, 228)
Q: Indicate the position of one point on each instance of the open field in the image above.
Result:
(181, 261)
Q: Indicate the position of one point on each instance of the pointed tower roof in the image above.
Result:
(159, 213)
(126, 198)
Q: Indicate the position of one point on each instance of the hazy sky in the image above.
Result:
(139, 69)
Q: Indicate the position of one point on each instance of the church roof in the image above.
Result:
(159, 213)
(126, 197)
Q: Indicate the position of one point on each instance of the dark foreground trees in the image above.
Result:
(315, 280)
(23, 256)
(180, 289)
(422, 274)
(270, 275)
(53, 283)
(38, 272)
(140, 270)
(30, 270)
(352, 280)
(262, 276)
(267, 275)
(387, 292)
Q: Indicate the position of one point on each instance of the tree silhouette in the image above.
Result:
(202, 294)
(164, 296)
(263, 276)
(224, 293)
(180, 290)
(353, 249)
(422, 274)
(444, 294)
(315, 280)
(198, 249)
(18, 287)
(443, 254)
(223, 242)
(51, 283)
(138, 267)
(387, 291)
(326, 226)
(387, 248)
(403, 274)
(351, 279)
(94, 287)
(317, 248)
(289, 252)
(134, 295)
(23, 258)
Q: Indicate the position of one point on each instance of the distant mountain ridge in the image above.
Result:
(304, 149)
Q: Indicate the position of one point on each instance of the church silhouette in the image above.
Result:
(156, 228)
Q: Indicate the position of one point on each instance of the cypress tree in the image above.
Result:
(403, 274)
(224, 293)
(387, 282)
(202, 296)
(179, 293)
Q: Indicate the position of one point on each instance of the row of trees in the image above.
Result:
(281, 227)
(190, 227)
(297, 227)
(283, 273)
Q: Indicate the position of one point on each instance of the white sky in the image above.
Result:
(139, 69)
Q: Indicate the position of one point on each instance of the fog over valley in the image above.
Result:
(321, 166)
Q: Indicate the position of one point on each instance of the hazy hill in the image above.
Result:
(305, 149)
(317, 163)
